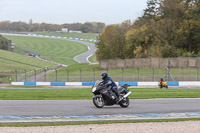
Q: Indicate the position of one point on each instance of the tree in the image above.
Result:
(88, 27)
(168, 28)
(112, 41)
(3, 43)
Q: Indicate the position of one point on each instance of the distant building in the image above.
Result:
(73, 31)
(65, 30)
(11, 46)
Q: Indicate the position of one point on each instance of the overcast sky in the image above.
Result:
(71, 11)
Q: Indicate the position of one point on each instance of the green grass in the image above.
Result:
(62, 60)
(76, 35)
(145, 93)
(61, 51)
(145, 74)
(93, 59)
(36, 94)
(10, 61)
(85, 93)
(92, 122)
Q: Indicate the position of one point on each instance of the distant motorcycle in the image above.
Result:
(103, 95)
(164, 85)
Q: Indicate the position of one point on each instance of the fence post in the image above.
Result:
(138, 69)
(25, 75)
(168, 73)
(35, 74)
(16, 75)
(94, 75)
(122, 74)
(182, 73)
(67, 75)
(56, 75)
(45, 74)
(197, 73)
(153, 78)
(80, 75)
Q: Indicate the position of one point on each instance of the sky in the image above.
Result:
(71, 11)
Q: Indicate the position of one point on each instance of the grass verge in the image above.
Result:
(85, 93)
(93, 122)
(93, 59)
(10, 61)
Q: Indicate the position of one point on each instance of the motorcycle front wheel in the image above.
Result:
(124, 103)
(98, 101)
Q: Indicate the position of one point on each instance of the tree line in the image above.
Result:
(87, 27)
(3, 43)
(167, 28)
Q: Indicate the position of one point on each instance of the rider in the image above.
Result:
(161, 80)
(109, 82)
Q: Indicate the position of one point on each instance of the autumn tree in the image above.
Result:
(112, 41)
(88, 27)
(172, 25)
(3, 43)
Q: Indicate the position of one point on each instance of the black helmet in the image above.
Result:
(104, 75)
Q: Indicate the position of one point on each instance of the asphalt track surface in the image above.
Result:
(85, 107)
(83, 58)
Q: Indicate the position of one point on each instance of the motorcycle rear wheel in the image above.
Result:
(124, 103)
(98, 101)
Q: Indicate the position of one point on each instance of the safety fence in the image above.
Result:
(20, 75)
(118, 75)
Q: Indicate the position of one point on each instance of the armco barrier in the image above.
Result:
(57, 83)
(29, 83)
(169, 83)
(129, 83)
(91, 40)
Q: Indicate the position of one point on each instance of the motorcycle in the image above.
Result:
(103, 95)
(164, 85)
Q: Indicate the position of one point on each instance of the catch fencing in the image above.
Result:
(118, 75)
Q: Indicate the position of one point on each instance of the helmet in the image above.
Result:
(104, 75)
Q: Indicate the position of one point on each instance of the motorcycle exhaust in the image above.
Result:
(129, 93)
(125, 96)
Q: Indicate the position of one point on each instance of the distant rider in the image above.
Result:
(161, 81)
(109, 82)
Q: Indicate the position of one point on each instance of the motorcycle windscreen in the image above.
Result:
(97, 83)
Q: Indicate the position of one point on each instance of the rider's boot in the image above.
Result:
(114, 89)
(117, 94)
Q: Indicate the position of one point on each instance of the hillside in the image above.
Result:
(10, 61)
(61, 51)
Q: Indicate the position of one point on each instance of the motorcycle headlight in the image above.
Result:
(94, 89)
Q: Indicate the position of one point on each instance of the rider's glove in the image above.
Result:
(106, 85)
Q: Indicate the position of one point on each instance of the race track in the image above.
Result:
(83, 58)
(86, 107)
